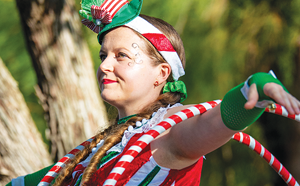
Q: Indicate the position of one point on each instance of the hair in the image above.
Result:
(113, 134)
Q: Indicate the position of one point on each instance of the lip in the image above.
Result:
(108, 81)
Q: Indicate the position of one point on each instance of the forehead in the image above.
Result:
(121, 37)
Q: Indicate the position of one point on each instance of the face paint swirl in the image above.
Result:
(137, 57)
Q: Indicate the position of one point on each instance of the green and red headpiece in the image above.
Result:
(101, 16)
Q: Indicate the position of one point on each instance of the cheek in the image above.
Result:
(137, 76)
(99, 75)
(132, 82)
(144, 79)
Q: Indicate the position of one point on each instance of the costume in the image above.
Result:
(143, 170)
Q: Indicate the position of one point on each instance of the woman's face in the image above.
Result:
(126, 75)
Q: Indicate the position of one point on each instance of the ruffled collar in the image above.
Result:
(142, 126)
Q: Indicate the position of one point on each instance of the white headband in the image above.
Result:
(160, 42)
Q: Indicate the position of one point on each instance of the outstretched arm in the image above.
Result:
(187, 141)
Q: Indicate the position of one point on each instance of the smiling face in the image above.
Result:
(127, 74)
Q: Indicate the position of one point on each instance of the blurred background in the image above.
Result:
(225, 42)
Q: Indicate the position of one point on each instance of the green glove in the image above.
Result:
(233, 113)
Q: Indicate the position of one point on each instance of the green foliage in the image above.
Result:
(225, 42)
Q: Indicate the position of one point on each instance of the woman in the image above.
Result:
(138, 75)
(132, 77)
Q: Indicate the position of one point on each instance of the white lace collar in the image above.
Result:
(142, 126)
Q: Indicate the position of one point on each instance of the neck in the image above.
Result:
(127, 112)
(134, 108)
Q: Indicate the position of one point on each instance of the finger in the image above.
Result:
(288, 104)
(274, 91)
(252, 97)
(298, 106)
(285, 99)
(277, 93)
(295, 105)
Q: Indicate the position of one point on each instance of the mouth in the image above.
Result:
(108, 81)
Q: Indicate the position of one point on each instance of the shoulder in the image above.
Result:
(171, 111)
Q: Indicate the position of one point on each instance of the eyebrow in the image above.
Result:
(117, 49)
(101, 50)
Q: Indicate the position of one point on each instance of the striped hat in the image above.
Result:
(101, 16)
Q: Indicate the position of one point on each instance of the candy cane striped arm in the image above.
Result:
(280, 110)
(53, 172)
(264, 153)
(142, 142)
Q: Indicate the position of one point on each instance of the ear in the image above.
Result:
(165, 71)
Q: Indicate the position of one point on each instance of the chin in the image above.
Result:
(108, 98)
(105, 97)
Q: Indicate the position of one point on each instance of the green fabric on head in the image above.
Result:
(86, 9)
(176, 86)
(127, 13)
(86, 4)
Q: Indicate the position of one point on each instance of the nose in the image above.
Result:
(107, 64)
(105, 67)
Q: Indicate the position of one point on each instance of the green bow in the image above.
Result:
(176, 86)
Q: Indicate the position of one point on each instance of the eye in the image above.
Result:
(102, 57)
(122, 55)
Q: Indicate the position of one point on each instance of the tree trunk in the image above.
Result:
(67, 86)
(22, 150)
